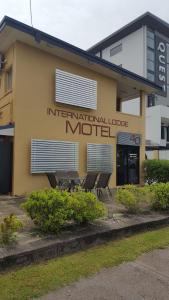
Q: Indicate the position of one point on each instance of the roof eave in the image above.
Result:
(147, 18)
(41, 36)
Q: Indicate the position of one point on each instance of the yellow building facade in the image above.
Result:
(33, 115)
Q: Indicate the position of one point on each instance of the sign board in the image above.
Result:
(126, 138)
(77, 123)
(161, 64)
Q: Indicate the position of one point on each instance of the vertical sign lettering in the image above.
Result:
(161, 64)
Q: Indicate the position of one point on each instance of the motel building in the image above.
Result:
(59, 111)
(142, 46)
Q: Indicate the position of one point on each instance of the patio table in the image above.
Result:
(68, 179)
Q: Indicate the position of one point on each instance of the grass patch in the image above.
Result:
(37, 280)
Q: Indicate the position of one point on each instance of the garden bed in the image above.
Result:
(32, 247)
(36, 242)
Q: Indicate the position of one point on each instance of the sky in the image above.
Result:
(81, 22)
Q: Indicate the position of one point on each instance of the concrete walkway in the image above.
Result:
(146, 278)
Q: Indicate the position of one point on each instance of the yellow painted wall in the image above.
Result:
(156, 154)
(5, 112)
(35, 92)
(6, 96)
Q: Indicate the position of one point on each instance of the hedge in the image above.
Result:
(156, 171)
(51, 209)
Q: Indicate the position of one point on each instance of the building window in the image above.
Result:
(50, 156)
(167, 133)
(150, 55)
(150, 76)
(150, 43)
(150, 39)
(115, 49)
(150, 34)
(150, 66)
(151, 100)
(162, 132)
(75, 90)
(99, 158)
(118, 104)
(8, 80)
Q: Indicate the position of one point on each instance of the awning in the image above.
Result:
(7, 130)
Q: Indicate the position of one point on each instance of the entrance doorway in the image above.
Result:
(6, 158)
(127, 164)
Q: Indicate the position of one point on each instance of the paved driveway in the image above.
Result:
(146, 278)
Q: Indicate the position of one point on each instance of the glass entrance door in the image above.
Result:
(127, 164)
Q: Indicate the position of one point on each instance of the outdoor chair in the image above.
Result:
(103, 183)
(52, 180)
(56, 182)
(89, 182)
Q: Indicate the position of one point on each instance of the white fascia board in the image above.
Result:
(7, 131)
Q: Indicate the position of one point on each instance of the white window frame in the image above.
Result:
(116, 49)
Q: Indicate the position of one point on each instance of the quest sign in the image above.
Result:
(85, 124)
(161, 64)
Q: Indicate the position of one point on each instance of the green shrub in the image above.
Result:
(160, 200)
(51, 209)
(133, 197)
(156, 170)
(85, 207)
(127, 199)
(8, 229)
(48, 209)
